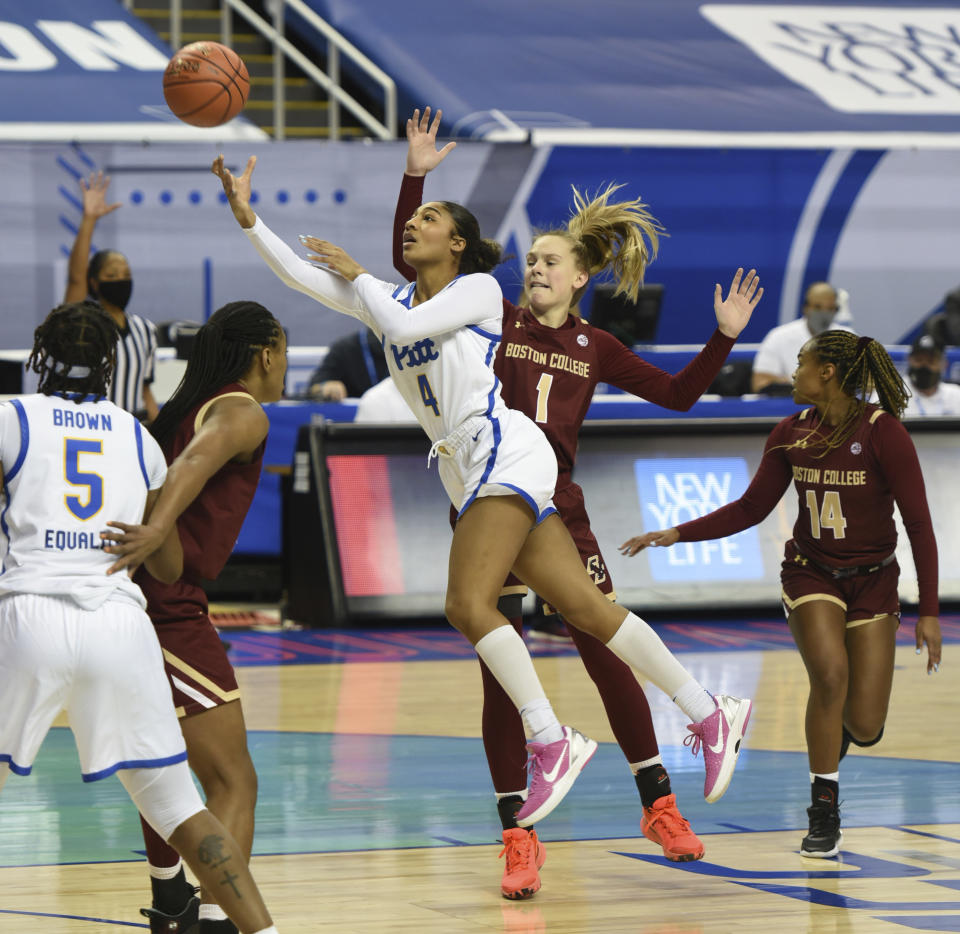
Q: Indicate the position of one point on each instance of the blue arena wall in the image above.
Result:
(880, 224)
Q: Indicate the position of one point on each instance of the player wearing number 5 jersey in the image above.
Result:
(73, 636)
(849, 461)
(550, 362)
(441, 334)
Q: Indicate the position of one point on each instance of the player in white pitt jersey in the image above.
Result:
(496, 456)
(73, 637)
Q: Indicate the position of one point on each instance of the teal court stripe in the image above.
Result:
(322, 792)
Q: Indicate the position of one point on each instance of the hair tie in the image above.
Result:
(71, 370)
(862, 344)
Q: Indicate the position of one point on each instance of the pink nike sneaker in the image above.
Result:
(554, 768)
(720, 736)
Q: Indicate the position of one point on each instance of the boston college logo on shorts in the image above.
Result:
(583, 340)
(855, 448)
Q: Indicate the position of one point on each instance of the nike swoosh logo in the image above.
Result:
(718, 748)
(555, 771)
(477, 435)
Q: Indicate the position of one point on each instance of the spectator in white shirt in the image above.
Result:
(776, 358)
(930, 394)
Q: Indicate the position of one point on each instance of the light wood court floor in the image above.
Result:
(376, 813)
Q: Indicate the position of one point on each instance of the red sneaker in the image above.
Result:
(666, 826)
(525, 855)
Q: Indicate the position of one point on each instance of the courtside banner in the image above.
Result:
(87, 71)
(677, 490)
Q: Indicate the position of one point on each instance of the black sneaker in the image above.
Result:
(187, 922)
(823, 840)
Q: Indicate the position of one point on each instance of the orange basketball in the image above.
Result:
(206, 84)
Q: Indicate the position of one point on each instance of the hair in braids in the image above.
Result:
(74, 351)
(223, 352)
(863, 367)
(478, 255)
(623, 236)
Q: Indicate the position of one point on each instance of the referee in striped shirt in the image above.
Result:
(106, 277)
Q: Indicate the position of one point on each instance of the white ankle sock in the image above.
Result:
(541, 722)
(641, 648)
(210, 912)
(269, 930)
(165, 872)
(830, 776)
(695, 701)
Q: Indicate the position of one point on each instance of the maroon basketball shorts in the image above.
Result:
(573, 512)
(196, 662)
(863, 597)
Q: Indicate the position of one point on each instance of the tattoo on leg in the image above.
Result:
(212, 851)
(229, 879)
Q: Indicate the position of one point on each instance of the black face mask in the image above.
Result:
(115, 291)
(923, 377)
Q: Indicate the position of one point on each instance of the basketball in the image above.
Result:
(206, 84)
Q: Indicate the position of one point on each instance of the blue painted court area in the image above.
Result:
(324, 792)
(441, 642)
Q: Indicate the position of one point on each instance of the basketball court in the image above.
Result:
(376, 812)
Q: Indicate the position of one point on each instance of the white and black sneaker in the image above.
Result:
(824, 837)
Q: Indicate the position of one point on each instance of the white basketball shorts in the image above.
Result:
(103, 667)
(500, 456)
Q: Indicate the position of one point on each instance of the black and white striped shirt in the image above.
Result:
(136, 353)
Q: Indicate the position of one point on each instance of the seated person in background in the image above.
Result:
(352, 365)
(944, 327)
(930, 395)
(776, 359)
(383, 403)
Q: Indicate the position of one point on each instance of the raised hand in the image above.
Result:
(733, 313)
(422, 152)
(661, 539)
(237, 189)
(333, 257)
(95, 196)
(928, 631)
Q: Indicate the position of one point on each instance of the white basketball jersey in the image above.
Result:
(68, 468)
(448, 377)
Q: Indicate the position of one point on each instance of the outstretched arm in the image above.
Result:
(94, 207)
(234, 428)
(764, 492)
(624, 369)
(422, 157)
(166, 563)
(320, 284)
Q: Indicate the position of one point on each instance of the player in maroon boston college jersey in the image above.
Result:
(549, 362)
(850, 461)
(213, 431)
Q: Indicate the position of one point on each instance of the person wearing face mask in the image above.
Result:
(930, 395)
(944, 327)
(776, 358)
(106, 277)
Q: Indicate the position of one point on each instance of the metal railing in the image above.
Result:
(283, 49)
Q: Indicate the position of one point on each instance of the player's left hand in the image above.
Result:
(664, 538)
(733, 313)
(928, 630)
(333, 257)
(132, 545)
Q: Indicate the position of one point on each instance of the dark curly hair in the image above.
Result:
(74, 350)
